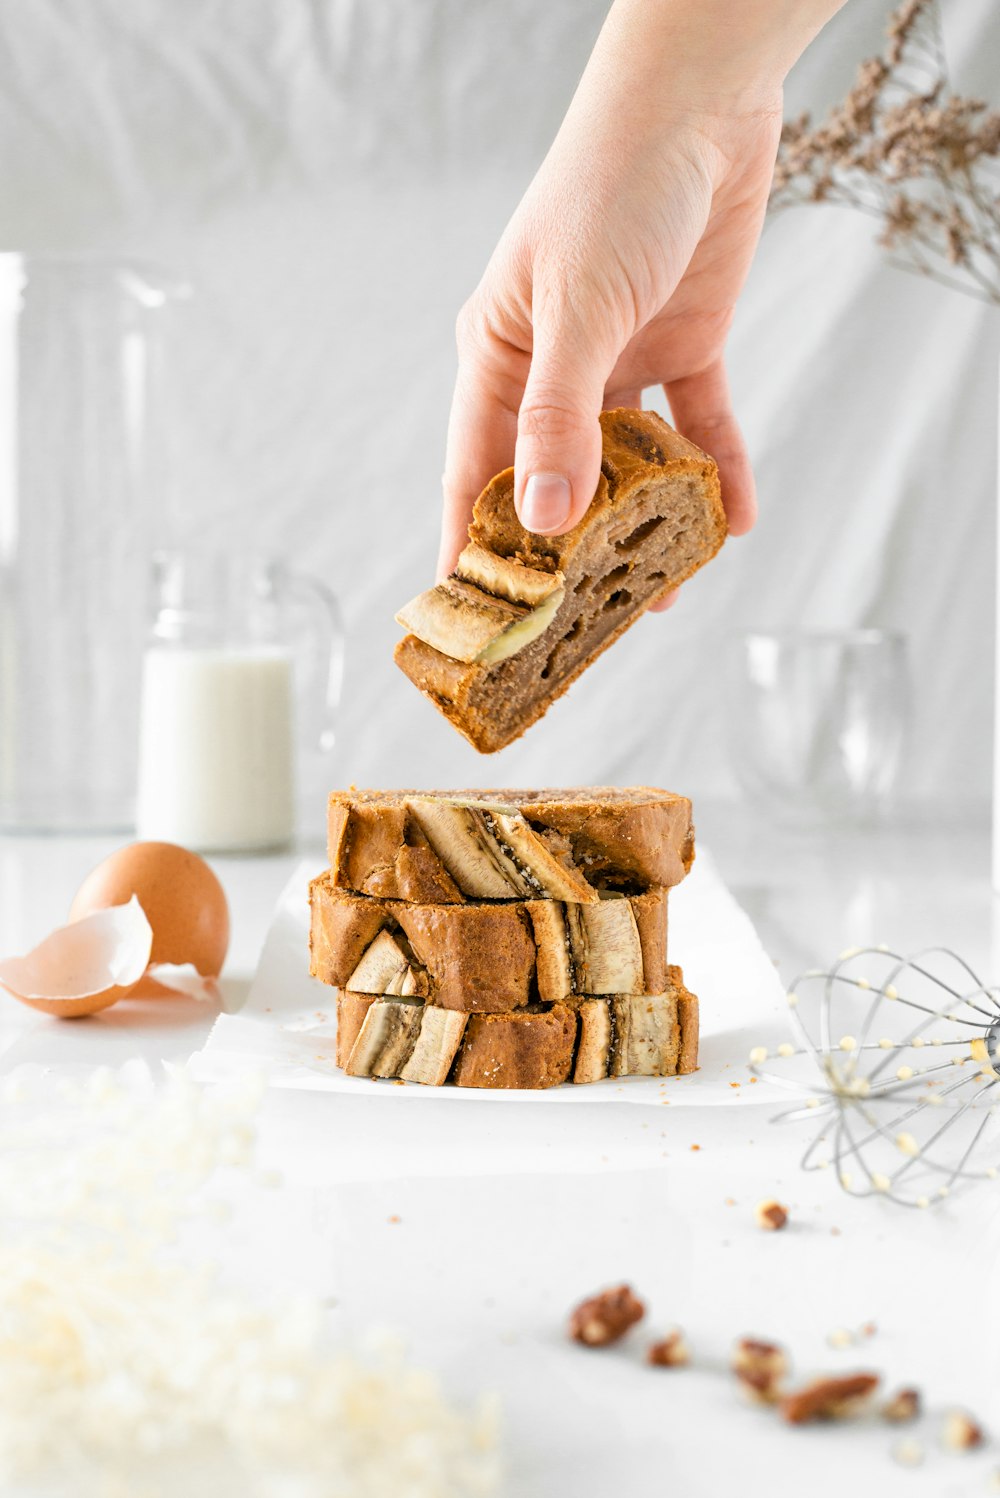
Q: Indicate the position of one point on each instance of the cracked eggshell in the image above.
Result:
(183, 899)
(85, 966)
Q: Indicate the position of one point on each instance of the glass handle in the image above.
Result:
(322, 604)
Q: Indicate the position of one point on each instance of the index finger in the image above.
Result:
(482, 431)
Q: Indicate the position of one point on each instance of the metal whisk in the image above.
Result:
(899, 1058)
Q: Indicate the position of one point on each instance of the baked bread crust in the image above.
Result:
(531, 1049)
(656, 518)
(633, 839)
(351, 1011)
(492, 958)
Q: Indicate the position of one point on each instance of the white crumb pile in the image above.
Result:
(129, 1370)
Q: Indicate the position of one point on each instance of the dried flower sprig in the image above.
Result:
(905, 149)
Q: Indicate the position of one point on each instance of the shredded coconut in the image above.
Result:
(130, 1369)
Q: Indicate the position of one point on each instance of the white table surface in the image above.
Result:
(479, 1273)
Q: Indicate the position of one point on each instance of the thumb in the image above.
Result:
(557, 460)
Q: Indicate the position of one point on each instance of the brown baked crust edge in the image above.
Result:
(689, 1017)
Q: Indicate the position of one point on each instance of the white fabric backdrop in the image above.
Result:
(333, 175)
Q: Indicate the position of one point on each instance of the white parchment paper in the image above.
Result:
(287, 1026)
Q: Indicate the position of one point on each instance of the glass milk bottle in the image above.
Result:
(84, 343)
(240, 679)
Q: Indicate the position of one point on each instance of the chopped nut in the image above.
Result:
(840, 1337)
(760, 1368)
(770, 1215)
(670, 1352)
(606, 1317)
(961, 1433)
(829, 1398)
(908, 1453)
(903, 1406)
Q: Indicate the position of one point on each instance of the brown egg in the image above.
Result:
(183, 899)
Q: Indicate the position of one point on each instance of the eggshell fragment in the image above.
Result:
(85, 966)
(183, 899)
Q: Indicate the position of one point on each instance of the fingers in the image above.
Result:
(666, 602)
(702, 411)
(557, 462)
(615, 400)
(481, 435)
(482, 429)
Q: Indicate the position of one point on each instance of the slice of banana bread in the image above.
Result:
(447, 847)
(653, 1035)
(488, 958)
(523, 615)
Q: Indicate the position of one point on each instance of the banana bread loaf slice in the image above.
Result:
(467, 957)
(654, 1035)
(447, 847)
(488, 958)
(523, 615)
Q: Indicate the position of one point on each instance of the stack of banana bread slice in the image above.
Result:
(504, 939)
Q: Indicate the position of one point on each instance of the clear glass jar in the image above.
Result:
(241, 681)
(818, 721)
(81, 490)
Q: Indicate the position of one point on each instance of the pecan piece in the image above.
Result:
(829, 1398)
(760, 1368)
(671, 1351)
(770, 1215)
(902, 1407)
(606, 1317)
(961, 1433)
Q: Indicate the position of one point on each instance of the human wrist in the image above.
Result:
(710, 56)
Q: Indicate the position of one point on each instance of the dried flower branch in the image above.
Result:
(907, 150)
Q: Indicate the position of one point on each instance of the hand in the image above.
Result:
(619, 270)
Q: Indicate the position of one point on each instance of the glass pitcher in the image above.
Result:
(241, 680)
(81, 492)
